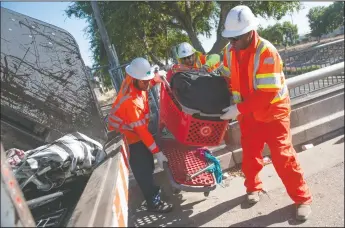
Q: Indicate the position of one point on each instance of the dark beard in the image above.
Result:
(136, 85)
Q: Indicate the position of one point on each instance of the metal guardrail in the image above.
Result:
(313, 58)
(316, 80)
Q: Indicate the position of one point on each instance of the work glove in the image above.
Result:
(231, 113)
(160, 159)
(159, 74)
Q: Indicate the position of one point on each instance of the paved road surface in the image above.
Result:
(324, 170)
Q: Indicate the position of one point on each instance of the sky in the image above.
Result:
(53, 13)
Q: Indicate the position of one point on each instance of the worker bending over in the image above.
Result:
(189, 58)
(262, 108)
(130, 115)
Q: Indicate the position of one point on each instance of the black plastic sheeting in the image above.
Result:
(43, 77)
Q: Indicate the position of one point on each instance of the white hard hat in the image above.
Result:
(184, 50)
(239, 21)
(140, 69)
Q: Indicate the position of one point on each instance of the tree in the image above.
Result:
(150, 28)
(316, 21)
(323, 20)
(280, 34)
(334, 16)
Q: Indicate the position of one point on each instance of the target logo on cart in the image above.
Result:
(205, 131)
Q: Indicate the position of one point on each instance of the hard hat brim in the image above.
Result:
(130, 72)
(186, 55)
(227, 33)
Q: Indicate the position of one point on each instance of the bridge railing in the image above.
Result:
(313, 58)
(316, 80)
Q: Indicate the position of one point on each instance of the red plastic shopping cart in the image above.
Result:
(190, 133)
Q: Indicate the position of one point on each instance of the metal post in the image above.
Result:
(113, 61)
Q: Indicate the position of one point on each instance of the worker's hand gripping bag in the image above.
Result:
(205, 92)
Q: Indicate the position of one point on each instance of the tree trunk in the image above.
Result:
(221, 41)
(218, 46)
(155, 60)
(150, 53)
(195, 41)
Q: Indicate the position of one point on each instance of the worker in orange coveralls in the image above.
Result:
(130, 115)
(189, 58)
(262, 108)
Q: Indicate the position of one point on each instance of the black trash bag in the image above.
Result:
(208, 93)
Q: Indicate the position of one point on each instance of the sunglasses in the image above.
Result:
(235, 38)
(188, 57)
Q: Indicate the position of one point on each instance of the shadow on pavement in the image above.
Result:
(180, 216)
(278, 216)
(139, 217)
(214, 212)
(340, 141)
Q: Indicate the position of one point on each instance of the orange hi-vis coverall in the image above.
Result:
(130, 115)
(258, 86)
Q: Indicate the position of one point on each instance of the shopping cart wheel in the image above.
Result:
(206, 194)
(176, 191)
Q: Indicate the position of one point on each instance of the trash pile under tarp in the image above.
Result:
(51, 165)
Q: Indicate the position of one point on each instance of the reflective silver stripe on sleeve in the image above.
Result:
(284, 92)
(137, 123)
(271, 82)
(117, 106)
(257, 62)
(115, 118)
(269, 60)
(117, 126)
(153, 146)
(228, 56)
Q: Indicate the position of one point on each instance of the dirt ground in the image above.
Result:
(107, 98)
